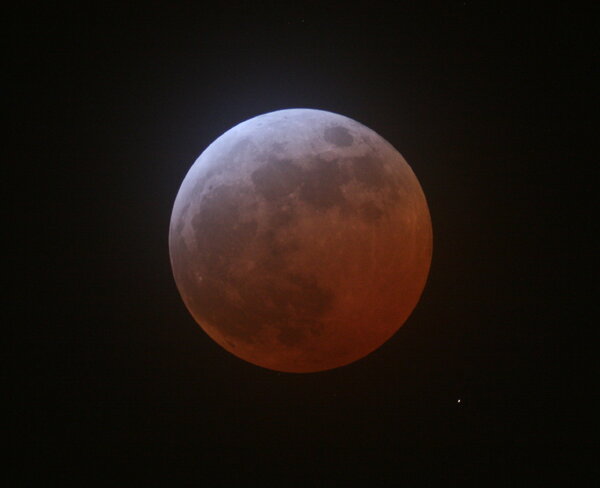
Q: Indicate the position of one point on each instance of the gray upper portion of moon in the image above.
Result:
(283, 220)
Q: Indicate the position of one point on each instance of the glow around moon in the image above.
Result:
(300, 240)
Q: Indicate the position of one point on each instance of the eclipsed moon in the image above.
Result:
(300, 240)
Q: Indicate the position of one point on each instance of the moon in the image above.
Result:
(300, 240)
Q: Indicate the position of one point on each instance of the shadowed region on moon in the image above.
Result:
(242, 304)
(289, 255)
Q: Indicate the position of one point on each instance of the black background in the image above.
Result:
(109, 107)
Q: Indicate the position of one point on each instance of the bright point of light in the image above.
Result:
(458, 401)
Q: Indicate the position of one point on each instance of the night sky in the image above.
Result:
(109, 377)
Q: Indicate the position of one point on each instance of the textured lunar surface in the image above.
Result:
(300, 240)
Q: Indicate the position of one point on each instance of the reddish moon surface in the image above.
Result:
(300, 240)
